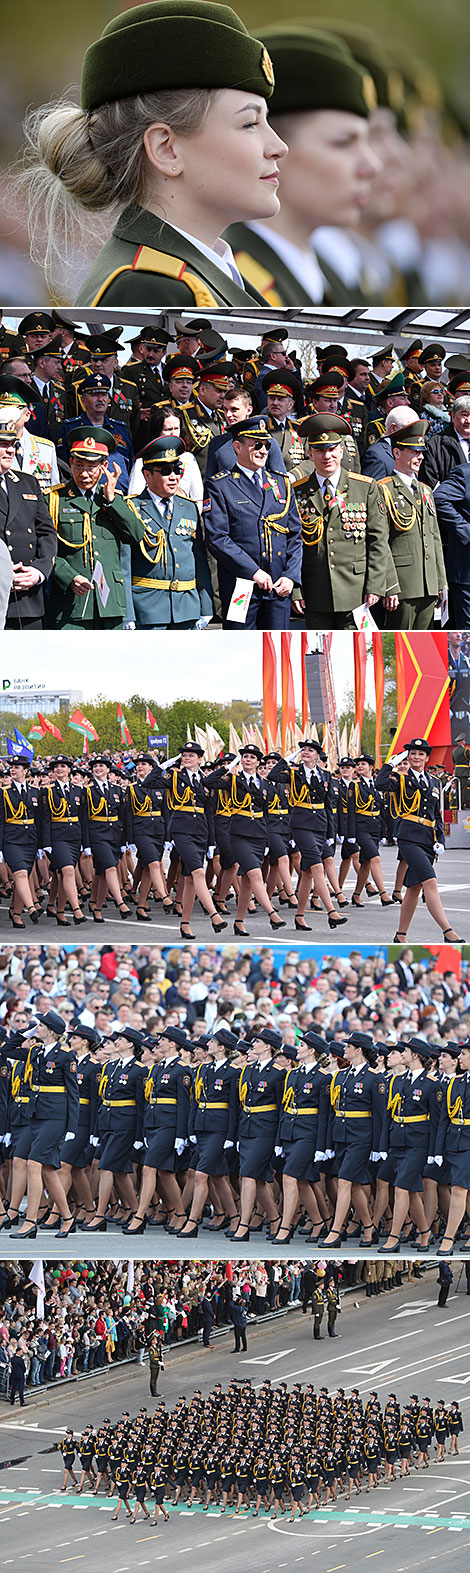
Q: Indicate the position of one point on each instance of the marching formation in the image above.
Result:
(242, 1450)
(138, 493)
(345, 1142)
(250, 825)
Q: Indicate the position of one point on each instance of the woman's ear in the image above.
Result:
(163, 150)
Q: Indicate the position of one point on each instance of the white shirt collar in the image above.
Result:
(302, 263)
(331, 480)
(408, 480)
(221, 255)
(245, 471)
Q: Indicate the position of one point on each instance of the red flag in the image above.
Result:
(379, 675)
(48, 727)
(125, 733)
(269, 690)
(303, 653)
(150, 720)
(85, 749)
(422, 689)
(288, 693)
(79, 723)
(360, 659)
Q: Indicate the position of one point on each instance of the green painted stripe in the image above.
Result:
(358, 1515)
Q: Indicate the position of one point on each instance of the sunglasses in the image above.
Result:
(260, 447)
(167, 469)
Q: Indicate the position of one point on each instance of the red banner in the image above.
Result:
(288, 692)
(303, 653)
(422, 689)
(269, 692)
(379, 675)
(360, 660)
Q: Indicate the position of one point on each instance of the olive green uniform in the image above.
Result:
(353, 409)
(148, 263)
(267, 273)
(416, 548)
(372, 432)
(346, 555)
(199, 426)
(289, 438)
(87, 533)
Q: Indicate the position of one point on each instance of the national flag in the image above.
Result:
(36, 731)
(150, 721)
(49, 727)
(423, 706)
(379, 675)
(269, 687)
(125, 733)
(80, 723)
(360, 660)
(288, 692)
(303, 653)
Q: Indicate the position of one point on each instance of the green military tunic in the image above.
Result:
(266, 272)
(289, 438)
(171, 582)
(353, 410)
(374, 430)
(346, 555)
(148, 263)
(88, 533)
(199, 426)
(416, 548)
(351, 460)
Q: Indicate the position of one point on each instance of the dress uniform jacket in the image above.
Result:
(353, 409)
(260, 1095)
(411, 1115)
(38, 457)
(20, 825)
(310, 801)
(288, 437)
(188, 803)
(356, 1109)
(345, 546)
(414, 807)
(200, 425)
(221, 456)
(169, 570)
(145, 812)
(250, 527)
(266, 272)
(88, 1075)
(298, 1117)
(87, 532)
(365, 811)
(214, 1105)
(27, 530)
(106, 820)
(167, 1100)
(148, 263)
(123, 454)
(453, 1138)
(64, 818)
(416, 547)
(121, 1097)
(51, 1073)
(124, 405)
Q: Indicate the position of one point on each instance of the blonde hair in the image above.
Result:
(76, 163)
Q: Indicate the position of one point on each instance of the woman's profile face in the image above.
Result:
(230, 166)
(330, 167)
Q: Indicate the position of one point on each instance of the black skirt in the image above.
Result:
(18, 854)
(106, 853)
(65, 850)
(248, 851)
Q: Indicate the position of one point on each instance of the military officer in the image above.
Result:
(285, 404)
(146, 368)
(414, 535)
(318, 1302)
(413, 372)
(64, 831)
(296, 1137)
(317, 82)
(171, 584)
(260, 1094)
(20, 833)
(167, 1091)
(37, 328)
(365, 827)
(415, 809)
(106, 819)
(11, 343)
(145, 829)
(253, 528)
(324, 397)
(383, 365)
(25, 527)
(68, 1448)
(390, 393)
(432, 361)
(73, 343)
(354, 1131)
(121, 1096)
(51, 1070)
(35, 454)
(213, 1122)
(207, 419)
(48, 379)
(411, 1122)
(94, 399)
(102, 357)
(88, 538)
(453, 1139)
(346, 558)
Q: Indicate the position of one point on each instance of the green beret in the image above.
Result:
(314, 70)
(393, 384)
(174, 44)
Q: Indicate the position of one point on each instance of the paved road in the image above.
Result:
(399, 1341)
(157, 1243)
(374, 923)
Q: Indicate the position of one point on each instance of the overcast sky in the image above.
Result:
(163, 666)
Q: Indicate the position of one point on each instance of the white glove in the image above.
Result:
(375, 1156)
(330, 1152)
(168, 846)
(39, 853)
(193, 1139)
(6, 1139)
(228, 1144)
(137, 1145)
(438, 848)
(94, 1141)
(436, 1160)
(319, 1156)
(87, 852)
(180, 1144)
(279, 1152)
(70, 1136)
(211, 852)
(237, 1144)
(330, 843)
(1, 857)
(202, 622)
(128, 627)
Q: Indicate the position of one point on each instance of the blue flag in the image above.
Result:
(21, 744)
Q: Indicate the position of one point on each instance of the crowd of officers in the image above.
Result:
(178, 473)
(274, 1449)
(344, 1141)
(248, 824)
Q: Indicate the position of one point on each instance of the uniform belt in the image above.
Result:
(260, 1108)
(276, 812)
(215, 1106)
(369, 813)
(308, 805)
(353, 1114)
(248, 813)
(19, 822)
(109, 819)
(70, 819)
(195, 809)
(120, 1103)
(43, 1087)
(84, 1101)
(409, 1119)
(304, 1110)
(22, 1100)
(458, 1121)
(166, 1100)
(164, 584)
(156, 813)
(416, 818)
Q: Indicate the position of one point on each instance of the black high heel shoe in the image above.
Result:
(16, 921)
(30, 1234)
(70, 1228)
(34, 915)
(303, 928)
(218, 927)
(189, 1234)
(97, 918)
(335, 921)
(239, 928)
(80, 918)
(126, 1227)
(62, 921)
(96, 1228)
(275, 921)
(189, 935)
(143, 916)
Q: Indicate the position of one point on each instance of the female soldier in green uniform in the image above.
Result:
(172, 127)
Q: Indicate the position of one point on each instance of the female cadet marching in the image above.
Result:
(416, 814)
(453, 1139)
(192, 87)
(166, 1101)
(312, 826)
(51, 1071)
(75, 1151)
(296, 1142)
(20, 831)
(145, 829)
(64, 832)
(356, 1099)
(121, 1100)
(188, 802)
(157, 1487)
(248, 836)
(105, 806)
(68, 1448)
(365, 827)
(213, 1123)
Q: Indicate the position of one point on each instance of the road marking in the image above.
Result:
(267, 1359)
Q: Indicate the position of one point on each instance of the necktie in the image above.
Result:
(328, 496)
(19, 456)
(166, 509)
(256, 479)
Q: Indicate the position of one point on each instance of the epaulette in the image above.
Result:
(52, 498)
(222, 473)
(60, 486)
(354, 475)
(148, 260)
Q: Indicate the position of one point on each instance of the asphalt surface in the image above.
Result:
(398, 1342)
(157, 1243)
(373, 924)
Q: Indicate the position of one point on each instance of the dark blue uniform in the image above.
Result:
(53, 1109)
(251, 526)
(106, 814)
(356, 1098)
(122, 456)
(453, 1137)
(121, 1094)
(166, 1113)
(415, 811)
(410, 1126)
(145, 810)
(298, 1122)
(64, 823)
(88, 1074)
(364, 818)
(214, 1115)
(260, 1094)
(20, 826)
(188, 804)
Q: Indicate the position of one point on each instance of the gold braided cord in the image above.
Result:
(335, 1092)
(363, 807)
(242, 1088)
(313, 531)
(400, 519)
(246, 804)
(177, 799)
(199, 1085)
(453, 1109)
(93, 812)
(17, 814)
(86, 541)
(200, 441)
(140, 809)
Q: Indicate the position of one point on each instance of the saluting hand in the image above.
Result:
(112, 477)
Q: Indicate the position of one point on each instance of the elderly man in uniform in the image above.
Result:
(102, 352)
(253, 529)
(35, 454)
(415, 541)
(171, 584)
(378, 460)
(145, 369)
(284, 401)
(88, 538)
(346, 558)
(26, 528)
